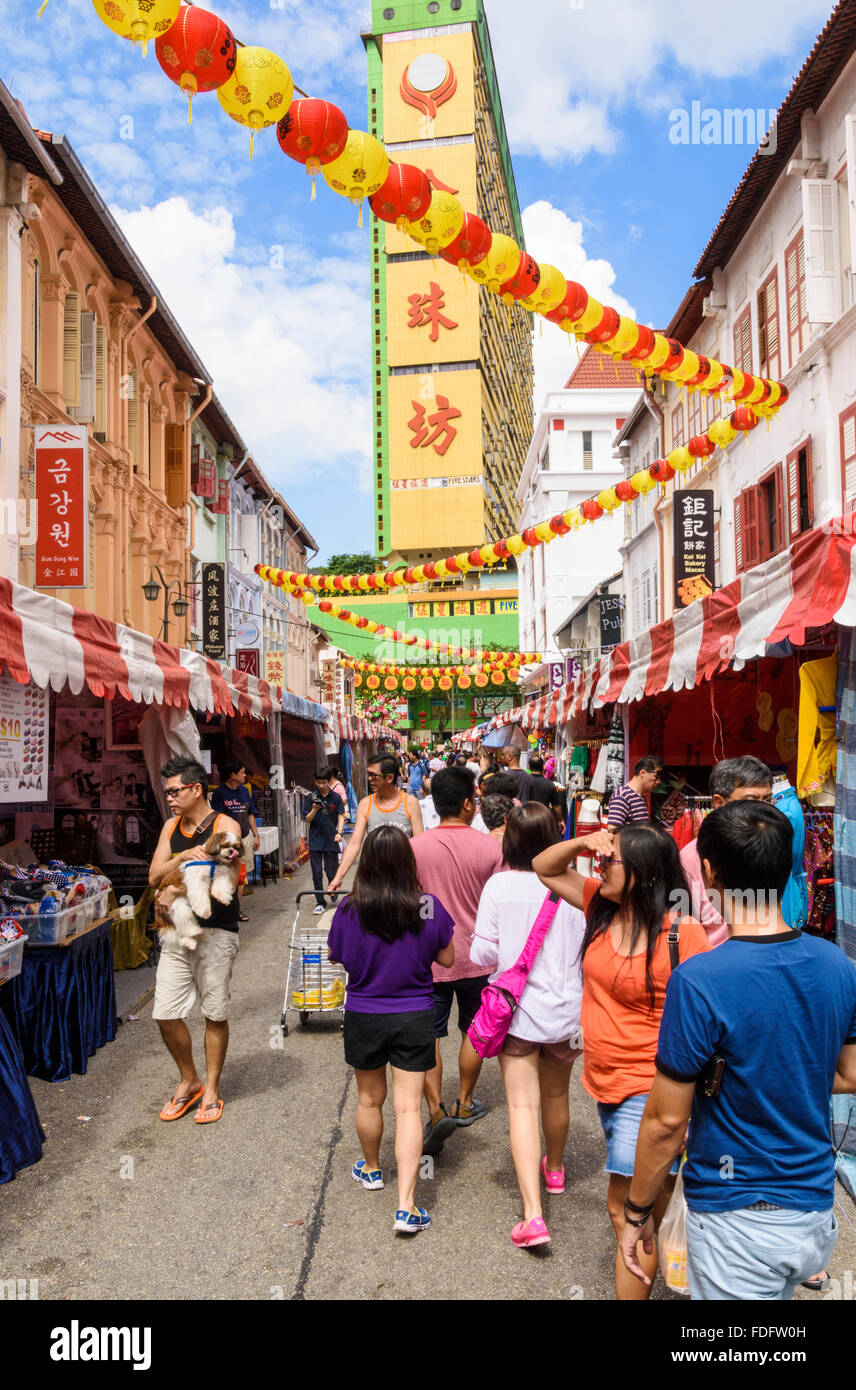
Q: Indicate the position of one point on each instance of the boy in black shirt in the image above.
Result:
(325, 816)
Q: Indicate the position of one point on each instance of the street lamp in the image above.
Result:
(179, 604)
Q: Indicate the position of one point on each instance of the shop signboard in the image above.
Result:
(247, 633)
(275, 668)
(247, 659)
(214, 611)
(62, 506)
(694, 557)
(557, 675)
(610, 621)
(23, 742)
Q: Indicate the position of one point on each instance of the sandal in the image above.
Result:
(202, 1118)
(185, 1101)
(242, 917)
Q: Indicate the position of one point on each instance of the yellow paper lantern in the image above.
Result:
(590, 319)
(418, 574)
(642, 481)
(608, 499)
(441, 223)
(573, 518)
(360, 169)
(372, 628)
(516, 544)
(690, 366)
(440, 569)
(463, 562)
(487, 554)
(722, 432)
(658, 354)
(548, 293)
(138, 20)
(259, 91)
(681, 459)
(626, 336)
(498, 265)
(544, 533)
(756, 393)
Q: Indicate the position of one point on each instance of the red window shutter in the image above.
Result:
(751, 539)
(847, 426)
(738, 532)
(771, 306)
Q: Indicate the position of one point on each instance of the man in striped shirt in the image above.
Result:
(628, 806)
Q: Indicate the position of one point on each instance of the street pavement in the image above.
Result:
(262, 1205)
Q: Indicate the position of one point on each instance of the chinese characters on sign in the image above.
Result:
(423, 436)
(557, 675)
(408, 484)
(62, 504)
(247, 659)
(426, 309)
(610, 621)
(694, 560)
(214, 611)
(275, 668)
(23, 742)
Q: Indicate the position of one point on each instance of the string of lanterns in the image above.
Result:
(488, 660)
(718, 435)
(444, 677)
(199, 53)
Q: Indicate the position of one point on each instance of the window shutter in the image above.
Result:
(847, 423)
(85, 411)
(101, 379)
(809, 482)
(820, 224)
(850, 140)
(751, 539)
(637, 620)
(678, 425)
(792, 465)
(795, 295)
(71, 350)
(738, 532)
(133, 418)
(781, 534)
(769, 356)
(175, 483)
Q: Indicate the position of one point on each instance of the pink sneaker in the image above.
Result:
(528, 1233)
(555, 1182)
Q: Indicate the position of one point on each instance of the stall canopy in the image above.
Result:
(764, 612)
(51, 643)
(357, 730)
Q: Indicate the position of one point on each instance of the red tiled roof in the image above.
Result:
(595, 370)
(834, 47)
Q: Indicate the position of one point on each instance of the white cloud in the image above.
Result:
(554, 237)
(563, 92)
(286, 344)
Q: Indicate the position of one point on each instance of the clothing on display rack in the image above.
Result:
(845, 797)
(819, 847)
(816, 750)
(598, 781)
(578, 769)
(795, 896)
(615, 756)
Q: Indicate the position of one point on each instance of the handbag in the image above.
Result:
(500, 998)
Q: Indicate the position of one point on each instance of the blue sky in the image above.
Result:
(272, 290)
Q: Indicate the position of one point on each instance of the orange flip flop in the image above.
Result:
(188, 1102)
(200, 1117)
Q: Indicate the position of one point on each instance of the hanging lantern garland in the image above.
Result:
(198, 52)
(258, 94)
(314, 133)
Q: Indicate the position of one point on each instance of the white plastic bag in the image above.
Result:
(672, 1239)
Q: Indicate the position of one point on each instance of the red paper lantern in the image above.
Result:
(606, 328)
(475, 559)
(197, 52)
(572, 307)
(525, 279)
(404, 195)
(591, 509)
(314, 132)
(444, 683)
(559, 526)
(625, 491)
(701, 447)
(661, 470)
(702, 374)
(642, 348)
(674, 359)
(471, 245)
(749, 384)
(743, 418)
(325, 605)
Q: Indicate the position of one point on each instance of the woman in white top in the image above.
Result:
(544, 1041)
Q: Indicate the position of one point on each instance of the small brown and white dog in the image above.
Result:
(196, 885)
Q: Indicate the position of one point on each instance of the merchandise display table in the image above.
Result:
(62, 1007)
(21, 1135)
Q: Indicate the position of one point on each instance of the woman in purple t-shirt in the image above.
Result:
(387, 934)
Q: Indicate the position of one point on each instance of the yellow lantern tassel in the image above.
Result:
(312, 196)
(42, 9)
(360, 213)
(252, 138)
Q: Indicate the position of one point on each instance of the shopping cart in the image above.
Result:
(312, 985)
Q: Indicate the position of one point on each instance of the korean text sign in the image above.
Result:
(62, 504)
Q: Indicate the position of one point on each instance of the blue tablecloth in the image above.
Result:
(21, 1135)
(62, 1007)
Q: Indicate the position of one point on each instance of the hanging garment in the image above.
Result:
(615, 756)
(578, 770)
(795, 896)
(598, 781)
(819, 853)
(845, 796)
(816, 752)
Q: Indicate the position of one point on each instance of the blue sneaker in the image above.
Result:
(407, 1223)
(372, 1178)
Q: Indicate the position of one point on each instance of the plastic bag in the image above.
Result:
(672, 1239)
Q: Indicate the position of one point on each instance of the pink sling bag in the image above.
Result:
(500, 998)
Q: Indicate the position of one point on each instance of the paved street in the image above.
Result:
(208, 1212)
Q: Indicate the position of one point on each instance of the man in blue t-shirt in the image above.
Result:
(755, 1038)
(233, 798)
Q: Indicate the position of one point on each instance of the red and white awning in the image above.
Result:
(358, 730)
(51, 643)
(812, 584)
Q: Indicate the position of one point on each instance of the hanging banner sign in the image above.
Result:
(62, 506)
(275, 668)
(214, 611)
(557, 675)
(247, 659)
(694, 561)
(610, 621)
(23, 742)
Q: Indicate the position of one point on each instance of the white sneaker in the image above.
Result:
(316, 911)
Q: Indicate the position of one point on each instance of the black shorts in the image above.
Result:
(468, 994)
(404, 1040)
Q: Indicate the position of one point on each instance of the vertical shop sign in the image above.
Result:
(214, 611)
(62, 506)
(610, 621)
(247, 659)
(694, 549)
(275, 668)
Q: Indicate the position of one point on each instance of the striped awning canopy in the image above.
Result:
(812, 584)
(357, 730)
(52, 643)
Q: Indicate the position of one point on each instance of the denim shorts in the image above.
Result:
(739, 1256)
(620, 1124)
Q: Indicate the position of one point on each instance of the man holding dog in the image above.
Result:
(205, 974)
